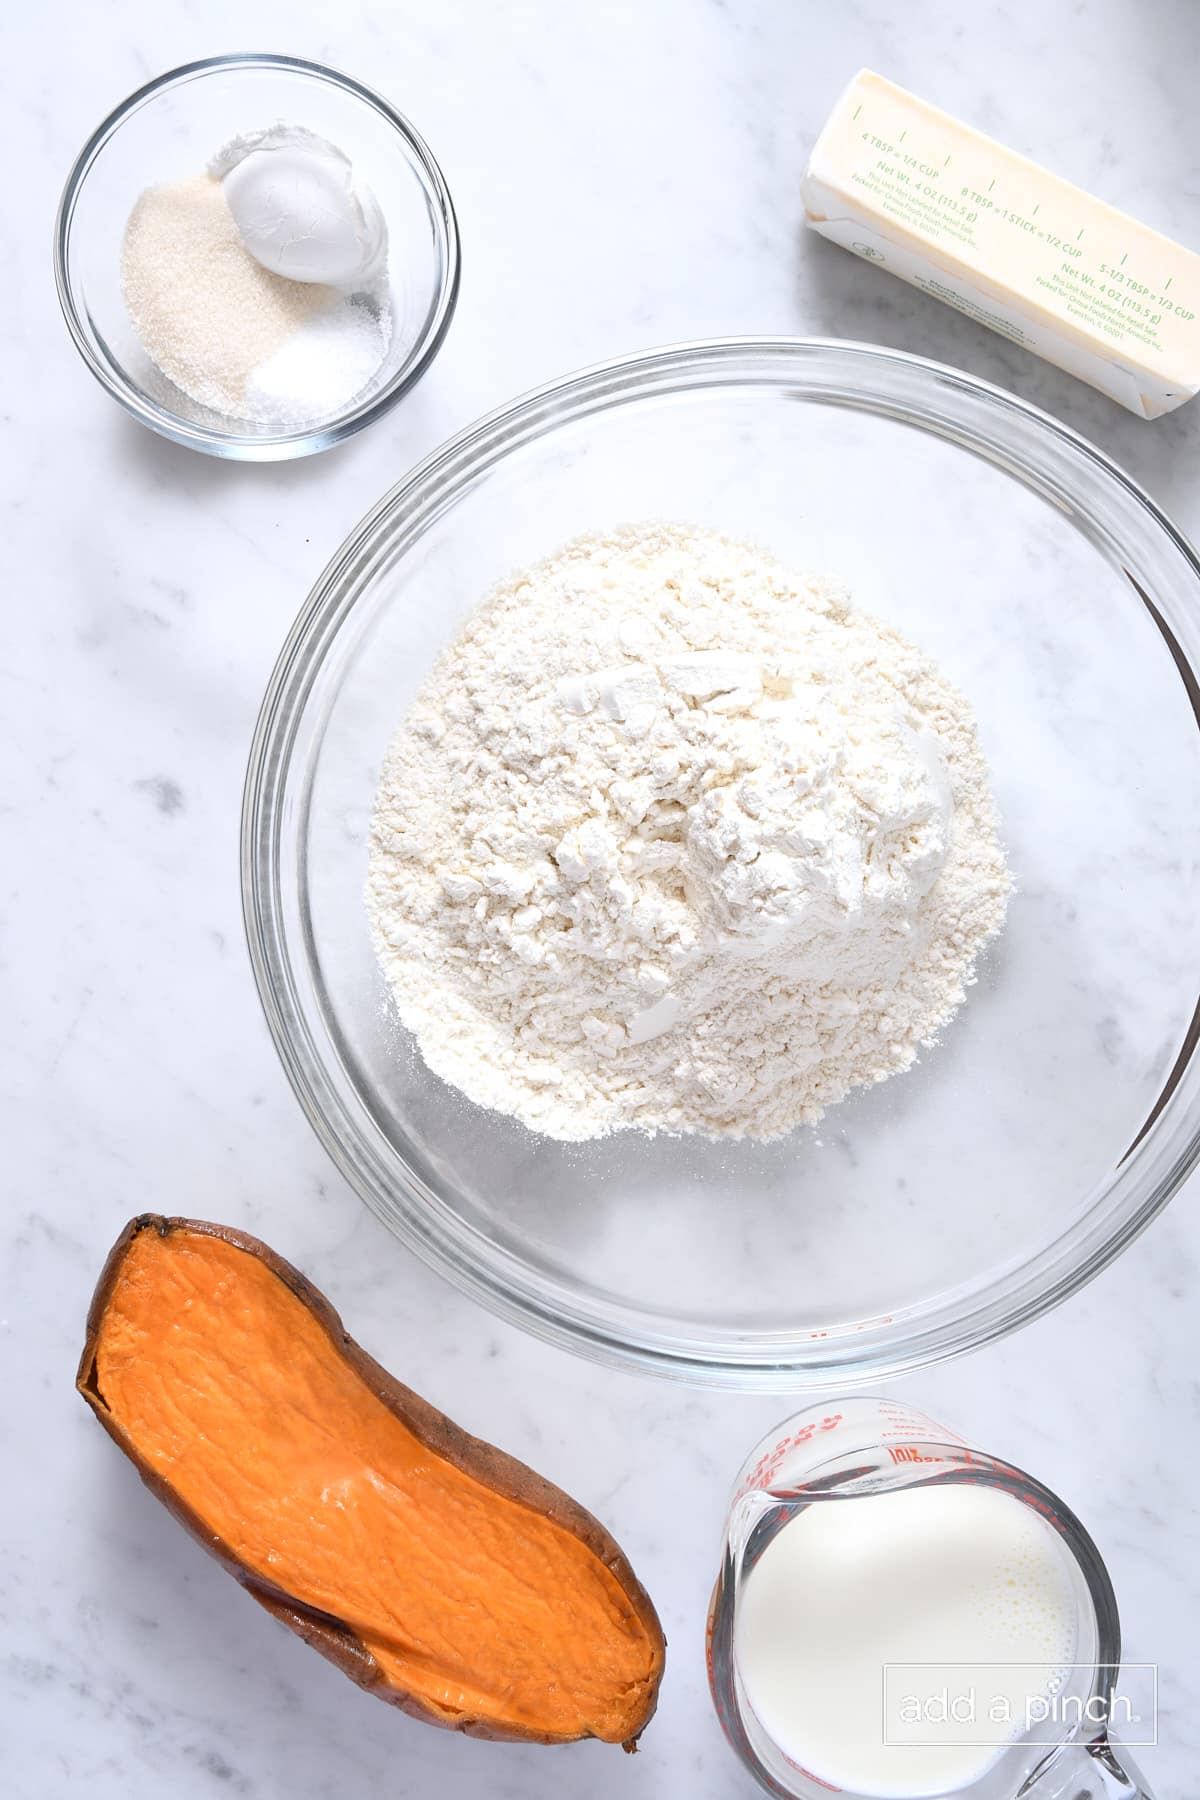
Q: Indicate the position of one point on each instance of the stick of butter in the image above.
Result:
(987, 231)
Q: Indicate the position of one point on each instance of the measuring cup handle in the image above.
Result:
(1092, 1771)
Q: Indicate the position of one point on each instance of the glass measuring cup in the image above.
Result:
(847, 1450)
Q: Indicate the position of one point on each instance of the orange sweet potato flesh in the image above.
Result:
(436, 1571)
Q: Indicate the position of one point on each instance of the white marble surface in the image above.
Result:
(624, 175)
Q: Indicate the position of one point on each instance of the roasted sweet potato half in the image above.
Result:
(434, 1570)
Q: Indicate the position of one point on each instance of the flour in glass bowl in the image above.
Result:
(673, 838)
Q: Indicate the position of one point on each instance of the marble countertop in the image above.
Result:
(624, 175)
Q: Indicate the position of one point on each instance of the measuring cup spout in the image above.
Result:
(1091, 1771)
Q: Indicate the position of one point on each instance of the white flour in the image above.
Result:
(672, 838)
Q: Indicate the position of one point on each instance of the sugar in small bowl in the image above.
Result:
(256, 256)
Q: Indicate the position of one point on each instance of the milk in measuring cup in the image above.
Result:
(938, 1575)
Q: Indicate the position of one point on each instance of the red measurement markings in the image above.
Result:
(769, 1464)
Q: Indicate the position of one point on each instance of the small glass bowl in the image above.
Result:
(1060, 1112)
(168, 130)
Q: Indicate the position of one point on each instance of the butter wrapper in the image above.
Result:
(1031, 256)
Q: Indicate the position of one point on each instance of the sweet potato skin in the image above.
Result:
(502, 1473)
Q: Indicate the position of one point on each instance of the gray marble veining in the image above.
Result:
(625, 175)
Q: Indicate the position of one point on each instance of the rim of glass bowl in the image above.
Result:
(1049, 457)
(281, 446)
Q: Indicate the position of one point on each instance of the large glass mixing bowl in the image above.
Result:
(1059, 1112)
